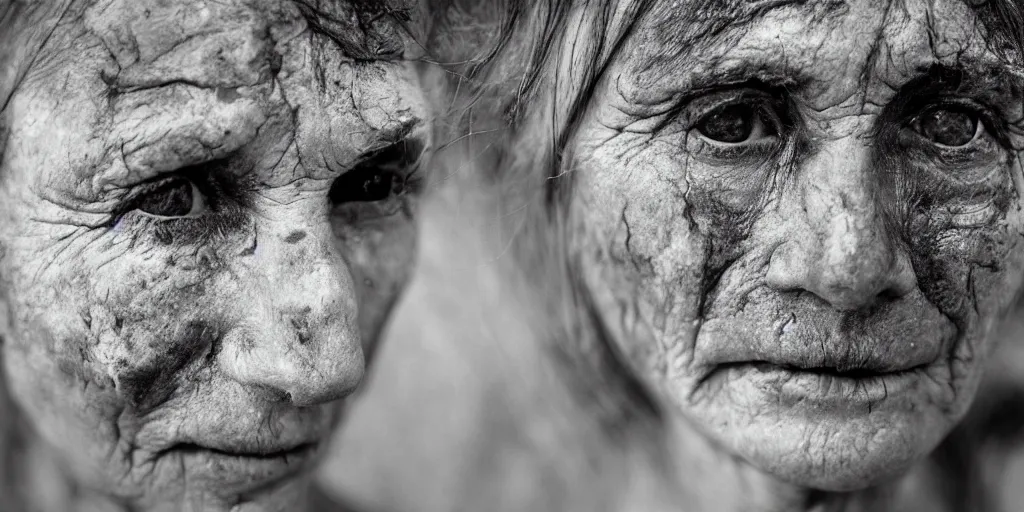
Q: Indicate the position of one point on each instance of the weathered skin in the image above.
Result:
(135, 342)
(840, 238)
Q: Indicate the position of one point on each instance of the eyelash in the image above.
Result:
(779, 113)
(219, 220)
(767, 104)
(394, 165)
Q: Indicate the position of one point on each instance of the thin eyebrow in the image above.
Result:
(707, 20)
(984, 70)
(772, 71)
(707, 24)
(968, 73)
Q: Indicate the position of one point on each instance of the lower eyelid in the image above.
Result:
(698, 145)
(967, 217)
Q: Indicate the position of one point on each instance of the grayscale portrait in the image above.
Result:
(206, 214)
(617, 255)
(766, 246)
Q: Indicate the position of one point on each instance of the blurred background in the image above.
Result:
(461, 414)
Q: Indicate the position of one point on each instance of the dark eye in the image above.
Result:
(365, 184)
(948, 127)
(177, 197)
(378, 177)
(734, 124)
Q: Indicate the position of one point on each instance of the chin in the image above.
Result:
(838, 457)
(825, 432)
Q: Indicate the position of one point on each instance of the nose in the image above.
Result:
(837, 244)
(296, 335)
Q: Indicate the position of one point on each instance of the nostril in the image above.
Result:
(301, 327)
(890, 293)
(271, 393)
(300, 324)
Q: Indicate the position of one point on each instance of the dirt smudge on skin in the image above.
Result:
(295, 236)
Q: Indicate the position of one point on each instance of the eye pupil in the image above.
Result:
(732, 124)
(382, 175)
(175, 199)
(377, 187)
(363, 184)
(949, 127)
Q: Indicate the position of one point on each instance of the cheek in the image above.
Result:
(380, 252)
(53, 378)
(106, 333)
(974, 275)
(640, 250)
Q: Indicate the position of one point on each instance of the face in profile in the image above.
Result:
(802, 221)
(205, 216)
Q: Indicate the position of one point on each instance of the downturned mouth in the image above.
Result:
(837, 387)
(267, 453)
(847, 372)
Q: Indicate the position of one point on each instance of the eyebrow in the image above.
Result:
(968, 74)
(703, 20)
(771, 68)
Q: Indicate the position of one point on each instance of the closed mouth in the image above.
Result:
(846, 372)
(269, 453)
(823, 384)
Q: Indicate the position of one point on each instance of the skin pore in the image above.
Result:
(801, 224)
(206, 213)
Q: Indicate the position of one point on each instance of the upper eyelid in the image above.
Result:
(714, 100)
(997, 125)
(132, 196)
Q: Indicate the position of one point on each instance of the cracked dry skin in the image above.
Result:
(206, 213)
(802, 228)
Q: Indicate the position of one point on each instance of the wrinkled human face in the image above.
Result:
(801, 228)
(206, 216)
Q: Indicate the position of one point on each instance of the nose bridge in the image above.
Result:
(849, 258)
(304, 275)
(839, 191)
(296, 332)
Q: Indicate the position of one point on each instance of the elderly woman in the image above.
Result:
(788, 231)
(205, 216)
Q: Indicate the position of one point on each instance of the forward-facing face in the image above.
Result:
(206, 216)
(802, 226)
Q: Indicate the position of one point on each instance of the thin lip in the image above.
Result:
(804, 334)
(852, 375)
(848, 372)
(267, 453)
(827, 387)
(246, 470)
(831, 359)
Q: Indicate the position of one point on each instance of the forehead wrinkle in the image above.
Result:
(662, 47)
(704, 21)
(202, 43)
(753, 50)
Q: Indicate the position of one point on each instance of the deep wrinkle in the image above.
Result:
(841, 126)
(138, 318)
(641, 237)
